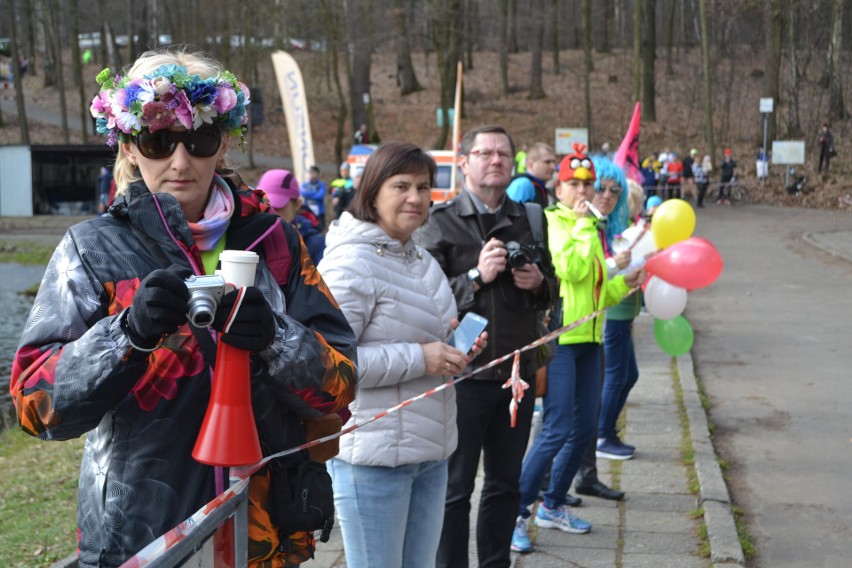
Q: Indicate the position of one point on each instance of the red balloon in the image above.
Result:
(691, 264)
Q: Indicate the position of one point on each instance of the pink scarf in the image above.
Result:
(217, 215)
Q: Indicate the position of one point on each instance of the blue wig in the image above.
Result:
(617, 221)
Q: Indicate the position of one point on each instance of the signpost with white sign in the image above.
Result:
(567, 137)
(788, 153)
(766, 108)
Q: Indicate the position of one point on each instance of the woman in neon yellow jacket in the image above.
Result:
(574, 375)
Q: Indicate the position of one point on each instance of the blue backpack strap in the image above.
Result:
(277, 251)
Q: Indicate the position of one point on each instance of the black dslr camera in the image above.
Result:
(519, 255)
(205, 293)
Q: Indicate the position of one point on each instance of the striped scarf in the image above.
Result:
(217, 215)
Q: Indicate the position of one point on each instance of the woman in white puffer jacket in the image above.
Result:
(390, 477)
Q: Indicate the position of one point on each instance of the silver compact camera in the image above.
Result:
(205, 292)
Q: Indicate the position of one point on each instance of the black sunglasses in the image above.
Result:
(201, 143)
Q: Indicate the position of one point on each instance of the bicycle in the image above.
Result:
(737, 194)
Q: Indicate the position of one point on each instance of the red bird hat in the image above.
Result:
(577, 165)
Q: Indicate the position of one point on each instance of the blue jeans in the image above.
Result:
(390, 516)
(570, 411)
(621, 373)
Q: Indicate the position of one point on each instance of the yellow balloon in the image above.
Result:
(673, 222)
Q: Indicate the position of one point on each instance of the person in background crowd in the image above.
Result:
(612, 202)
(107, 351)
(674, 171)
(663, 160)
(282, 190)
(620, 368)
(688, 178)
(762, 165)
(390, 479)
(727, 170)
(826, 147)
(702, 180)
(104, 184)
(342, 190)
(313, 192)
(532, 185)
(574, 376)
(361, 135)
(468, 236)
(650, 175)
(521, 160)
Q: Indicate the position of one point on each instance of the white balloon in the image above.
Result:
(644, 245)
(663, 300)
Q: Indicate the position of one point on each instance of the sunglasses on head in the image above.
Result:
(201, 143)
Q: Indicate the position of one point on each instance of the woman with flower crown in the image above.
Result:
(107, 351)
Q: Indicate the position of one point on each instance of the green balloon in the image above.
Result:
(674, 336)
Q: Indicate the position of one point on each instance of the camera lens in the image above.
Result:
(202, 309)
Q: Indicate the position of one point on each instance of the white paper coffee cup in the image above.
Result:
(238, 267)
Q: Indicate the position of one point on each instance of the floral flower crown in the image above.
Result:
(169, 95)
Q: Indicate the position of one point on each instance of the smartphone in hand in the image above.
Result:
(464, 336)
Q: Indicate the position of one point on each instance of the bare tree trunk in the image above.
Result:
(77, 67)
(649, 47)
(470, 18)
(836, 104)
(503, 49)
(554, 32)
(670, 37)
(19, 84)
(447, 14)
(725, 130)
(29, 8)
(360, 97)
(405, 68)
(794, 126)
(331, 9)
(536, 40)
(772, 77)
(52, 30)
(246, 8)
(512, 36)
(708, 80)
(605, 45)
(586, 7)
(113, 60)
(637, 49)
(43, 41)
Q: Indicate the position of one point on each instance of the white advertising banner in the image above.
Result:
(295, 103)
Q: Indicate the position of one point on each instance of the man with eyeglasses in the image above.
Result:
(468, 236)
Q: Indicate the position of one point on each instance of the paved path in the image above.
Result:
(773, 351)
(655, 526)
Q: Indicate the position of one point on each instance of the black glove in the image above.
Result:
(159, 307)
(254, 324)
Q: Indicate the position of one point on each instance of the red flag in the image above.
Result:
(627, 157)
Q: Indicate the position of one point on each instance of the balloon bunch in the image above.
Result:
(684, 263)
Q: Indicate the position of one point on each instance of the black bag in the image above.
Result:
(831, 152)
(302, 497)
(546, 352)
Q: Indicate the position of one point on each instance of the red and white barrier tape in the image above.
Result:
(514, 383)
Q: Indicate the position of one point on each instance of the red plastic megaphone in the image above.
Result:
(228, 435)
